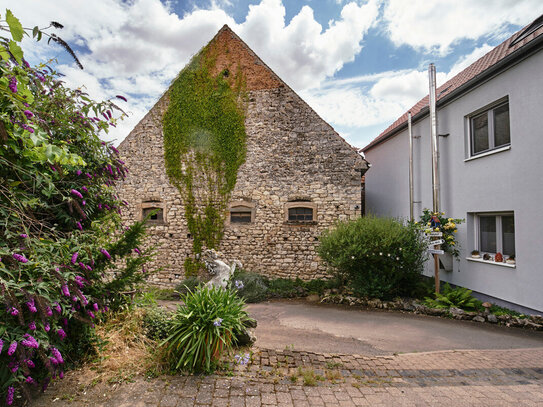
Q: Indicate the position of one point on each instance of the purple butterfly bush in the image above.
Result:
(31, 306)
(121, 97)
(30, 364)
(20, 258)
(83, 188)
(78, 224)
(10, 394)
(12, 348)
(65, 290)
(79, 172)
(75, 192)
(13, 84)
(32, 326)
(57, 355)
(48, 311)
(95, 306)
(1, 345)
(105, 253)
(74, 257)
(14, 311)
(61, 333)
(23, 235)
(30, 342)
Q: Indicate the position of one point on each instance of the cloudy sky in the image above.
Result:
(359, 64)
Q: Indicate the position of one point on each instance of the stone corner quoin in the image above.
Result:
(292, 156)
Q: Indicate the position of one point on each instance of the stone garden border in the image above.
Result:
(534, 322)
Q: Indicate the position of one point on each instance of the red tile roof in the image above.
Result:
(483, 65)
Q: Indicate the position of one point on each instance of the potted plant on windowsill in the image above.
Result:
(510, 259)
(475, 254)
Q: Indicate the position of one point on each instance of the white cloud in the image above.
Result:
(136, 48)
(437, 25)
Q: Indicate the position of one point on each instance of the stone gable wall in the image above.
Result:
(291, 154)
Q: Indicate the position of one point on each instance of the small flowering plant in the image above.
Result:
(439, 222)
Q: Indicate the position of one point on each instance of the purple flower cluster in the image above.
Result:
(1, 345)
(74, 257)
(23, 235)
(13, 311)
(65, 291)
(9, 397)
(61, 333)
(75, 192)
(78, 224)
(30, 364)
(32, 326)
(31, 306)
(80, 281)
(105, 253)
(48, 311)
(28, 114)
(242, 360)
(20, 258)
(239, 284)
(57, 355)
(13, 84)
(12, 348)
(217, 322)
(30, 342)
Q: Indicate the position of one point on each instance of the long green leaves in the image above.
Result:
(204, 328)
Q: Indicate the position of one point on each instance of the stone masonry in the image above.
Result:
(294, 159)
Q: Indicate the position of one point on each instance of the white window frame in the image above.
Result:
(489, 110)
(499, 230)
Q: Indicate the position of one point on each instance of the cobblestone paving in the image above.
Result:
(449, 378)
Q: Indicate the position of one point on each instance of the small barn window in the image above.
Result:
(300, 214)
(299, 211)
(157, 214)
(242, 212)
(155, 209)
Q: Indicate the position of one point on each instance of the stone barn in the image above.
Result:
(298, 177)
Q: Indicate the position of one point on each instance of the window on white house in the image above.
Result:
(489, 129)
(496, 233)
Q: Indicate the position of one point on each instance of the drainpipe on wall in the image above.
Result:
(435, 163)
(434, 138)
(410, 132)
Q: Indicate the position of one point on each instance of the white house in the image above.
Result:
(490, 140)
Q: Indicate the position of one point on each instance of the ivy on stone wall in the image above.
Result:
(204, 145)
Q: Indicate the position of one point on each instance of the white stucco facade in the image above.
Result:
(507, 180)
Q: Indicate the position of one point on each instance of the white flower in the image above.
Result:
(380, 254)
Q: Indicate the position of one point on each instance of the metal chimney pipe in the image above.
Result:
(434, 138)
(410, 132)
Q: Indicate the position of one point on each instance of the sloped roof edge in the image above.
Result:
(494, 62)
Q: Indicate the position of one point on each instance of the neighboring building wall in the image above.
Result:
(292, 154)
(502, 182)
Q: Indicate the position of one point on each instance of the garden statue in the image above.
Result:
(221, 271)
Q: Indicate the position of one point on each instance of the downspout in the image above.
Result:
(434, 138)
(410, 132)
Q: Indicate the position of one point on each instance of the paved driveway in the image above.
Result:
(340, 329)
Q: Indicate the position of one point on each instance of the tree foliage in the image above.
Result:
(64, 254)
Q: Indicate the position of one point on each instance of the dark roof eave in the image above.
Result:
(522, 53)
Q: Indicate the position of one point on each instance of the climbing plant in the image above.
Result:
(204, 145)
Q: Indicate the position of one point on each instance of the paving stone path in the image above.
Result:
(276, 378)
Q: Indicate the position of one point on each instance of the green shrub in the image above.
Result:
(458, 297)
(204, 328)
(255, 286)
(376, 257)
(188, 284)
(286, 288)
(157, 323)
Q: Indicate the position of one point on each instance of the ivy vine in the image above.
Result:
(204, 146)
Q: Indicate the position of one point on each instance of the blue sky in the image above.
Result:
(360, 64)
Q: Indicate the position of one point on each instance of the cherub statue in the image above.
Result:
(219, 269)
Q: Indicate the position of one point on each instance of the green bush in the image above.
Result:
(157, 323)
(286, 288)
(458, 297)
(376, 257)
(65, 254)
(187, 285)
(204, 328)
(255, 286)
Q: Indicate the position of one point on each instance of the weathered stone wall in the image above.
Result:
(292, 154)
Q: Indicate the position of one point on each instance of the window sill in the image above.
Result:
(492, 262)
(300, 223)
(495, 151)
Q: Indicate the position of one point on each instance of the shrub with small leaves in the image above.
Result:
(157, 323)
(377, 257)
